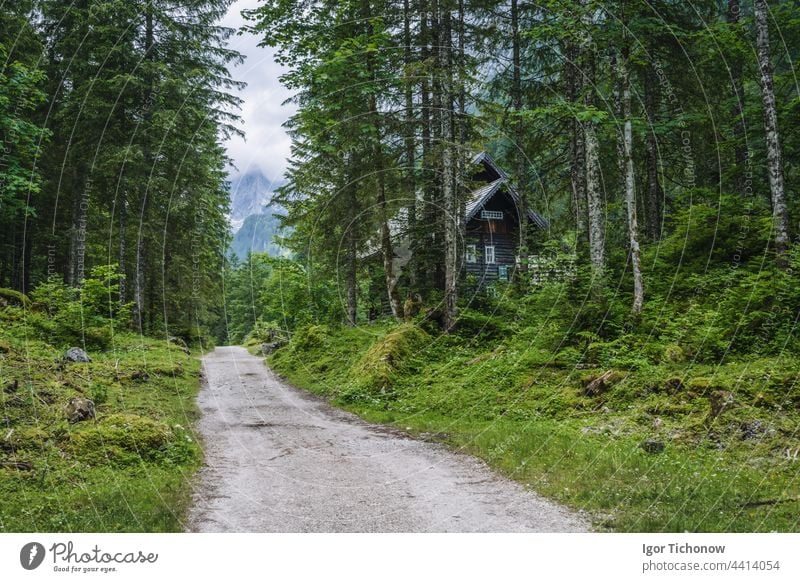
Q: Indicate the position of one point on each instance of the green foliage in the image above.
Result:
(376, 372)
(135, 168)
(273, 294)
(20, 95)
(263, 332)
(131, 466)
(80, 316)
(474, 325)
(310, 337)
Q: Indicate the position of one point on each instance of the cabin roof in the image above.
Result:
(488, 162)
(478, 198)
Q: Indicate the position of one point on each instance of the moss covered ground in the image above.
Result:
(643, 443)
(130, 469)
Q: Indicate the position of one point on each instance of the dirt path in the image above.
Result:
(280, 460)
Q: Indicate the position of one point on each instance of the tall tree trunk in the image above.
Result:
(739, 130)
(780, 213)
(122, 201)
(461, 138)
(594, 200)
(594, 195)
(424, 244)
(352, 286)
(388, 255)
(449, 194)
(652, 203)
(80, 215)
(409, 135)
(379, 165)
(27, 252)
(519, 158)
(139, 269)
(123, 249)
(352, 283)
(438, 211)
(138, 282)
(577, 150)
(629, 180)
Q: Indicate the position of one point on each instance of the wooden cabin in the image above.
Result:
(492, 223)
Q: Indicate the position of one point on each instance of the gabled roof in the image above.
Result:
(488, 162)
(478, 198)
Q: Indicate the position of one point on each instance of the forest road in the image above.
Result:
(281, 460)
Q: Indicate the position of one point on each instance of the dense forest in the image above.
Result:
(112, 117)
(658, 139)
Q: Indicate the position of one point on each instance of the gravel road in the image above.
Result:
(281, 460)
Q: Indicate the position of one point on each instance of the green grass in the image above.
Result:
(130, 470)
(528, 415)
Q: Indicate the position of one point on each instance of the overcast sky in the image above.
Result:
(265, 145)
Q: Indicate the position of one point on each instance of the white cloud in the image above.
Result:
(266, 144)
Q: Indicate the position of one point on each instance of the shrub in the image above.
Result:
(376, 371)
(265, 331)
(80, 316)
(476, 325)
(310, 337)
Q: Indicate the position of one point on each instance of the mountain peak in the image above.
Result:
(250, 192)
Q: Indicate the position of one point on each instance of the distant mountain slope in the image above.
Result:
(256, 235)
(250, 193)
(254, 225)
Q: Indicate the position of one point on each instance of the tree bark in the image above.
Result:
(653, 199)
(138, 281)
(449, 194)
(739, 129)
(139, 278)
(462, 134)
(780, 213)
(80, 215)
(594, 200)
(123, 249)
(438, 221)
(352, 282)
(594, 196)
(424, 245)
(378, 161)
(629, 180)
(519, 158)
(409, 135)
(577, 150)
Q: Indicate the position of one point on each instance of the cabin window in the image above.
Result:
(489, 254)
(502, 272)
(472, 254)
(491, 215)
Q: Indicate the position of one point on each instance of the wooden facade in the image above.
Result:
(492, 224)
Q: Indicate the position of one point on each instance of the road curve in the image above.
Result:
(281, 460)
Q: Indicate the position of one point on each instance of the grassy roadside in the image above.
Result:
(130, 469)
(729, 431)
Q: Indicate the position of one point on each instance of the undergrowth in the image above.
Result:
(129, 469)
(683, 420)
